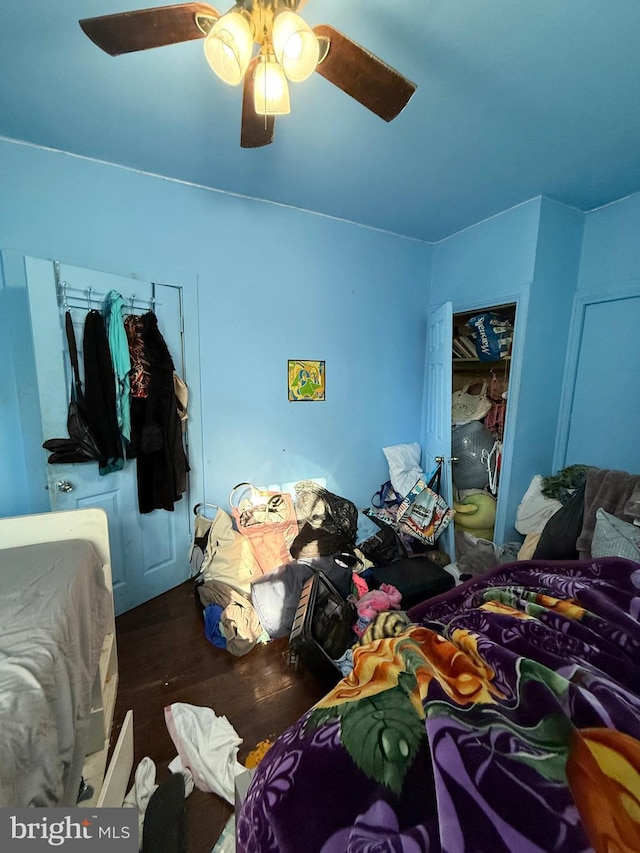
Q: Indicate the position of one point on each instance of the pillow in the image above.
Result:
(613, 537)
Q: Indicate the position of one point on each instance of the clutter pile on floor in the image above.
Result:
(251, 564)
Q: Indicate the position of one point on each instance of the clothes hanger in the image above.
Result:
(205, 505)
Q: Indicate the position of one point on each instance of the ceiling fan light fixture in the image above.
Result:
(295, 45)
(228, 46)
(270, 88)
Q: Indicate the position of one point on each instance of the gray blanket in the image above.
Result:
(54, 609)
(611, 490)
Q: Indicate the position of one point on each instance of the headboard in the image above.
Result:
(90, 524)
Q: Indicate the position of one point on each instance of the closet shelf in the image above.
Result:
(481, 360)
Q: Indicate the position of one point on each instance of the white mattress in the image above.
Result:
(54, 614)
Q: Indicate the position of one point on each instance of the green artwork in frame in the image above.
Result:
(306, 380)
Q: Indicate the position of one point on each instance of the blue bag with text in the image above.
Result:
(492, 335)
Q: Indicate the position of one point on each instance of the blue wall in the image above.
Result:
(269, 282)
(611, 246)
(490, 262)
(528, 255)
(549, 308)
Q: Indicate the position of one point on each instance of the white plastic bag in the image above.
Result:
(404, 466)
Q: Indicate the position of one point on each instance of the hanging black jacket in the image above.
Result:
(156, 429)
(100, 393)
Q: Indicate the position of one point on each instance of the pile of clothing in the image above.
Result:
(247, 600)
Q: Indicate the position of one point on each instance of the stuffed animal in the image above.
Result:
(373, 602)
(378, 600)
(476, 514)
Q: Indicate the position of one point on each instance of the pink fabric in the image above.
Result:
(494, 419)
(360, 584)
(379, 600)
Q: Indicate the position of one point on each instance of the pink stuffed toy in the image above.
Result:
(378, 600)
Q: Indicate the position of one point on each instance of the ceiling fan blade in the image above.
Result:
(257, 130)
(363, 76)
(127, 32)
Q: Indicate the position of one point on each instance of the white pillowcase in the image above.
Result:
(613, 537)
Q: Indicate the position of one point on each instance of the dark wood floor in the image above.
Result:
(164, 657)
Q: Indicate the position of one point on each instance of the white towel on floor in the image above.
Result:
(207, 746)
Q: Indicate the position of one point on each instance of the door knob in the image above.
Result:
(64, 486)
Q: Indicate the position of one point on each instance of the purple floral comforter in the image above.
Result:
(507, 719)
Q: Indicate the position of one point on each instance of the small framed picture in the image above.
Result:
(305, 380)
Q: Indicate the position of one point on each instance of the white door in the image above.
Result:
(149, 552)
(436, 415)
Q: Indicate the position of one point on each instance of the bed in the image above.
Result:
(58, 663)
(506, 718)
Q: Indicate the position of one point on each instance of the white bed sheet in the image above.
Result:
(54, 614)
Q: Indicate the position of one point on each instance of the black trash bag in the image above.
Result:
(327, 522)
(383, 547)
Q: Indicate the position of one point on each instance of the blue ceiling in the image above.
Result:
(515, 98)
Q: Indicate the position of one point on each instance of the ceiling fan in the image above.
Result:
(288, 49)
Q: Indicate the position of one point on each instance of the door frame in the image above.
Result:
(521, 300)
(188, 288)
(36, 498)
(438, 400)
(581, 302)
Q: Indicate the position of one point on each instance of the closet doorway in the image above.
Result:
(149, 552)
(482, 341)
(447, 370)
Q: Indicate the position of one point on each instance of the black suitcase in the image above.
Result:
(416, 578)
(322, 629)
